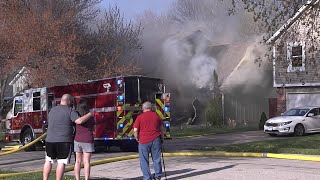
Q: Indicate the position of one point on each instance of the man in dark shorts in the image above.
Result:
(149, 132)
(60, 135)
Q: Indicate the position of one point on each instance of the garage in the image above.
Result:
(302, 99)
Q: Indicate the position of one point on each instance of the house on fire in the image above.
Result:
(296, 59)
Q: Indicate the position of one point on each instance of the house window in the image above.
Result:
(296, 57)
(36, 101)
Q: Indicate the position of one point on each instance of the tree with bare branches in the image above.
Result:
(55, 41)
(113, 46)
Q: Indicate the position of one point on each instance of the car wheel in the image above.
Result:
(299, 130)
(27, 137)
(273, 135)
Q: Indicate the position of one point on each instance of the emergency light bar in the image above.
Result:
(119, 108)
(121, 125)
(166, 109)
(120, 98)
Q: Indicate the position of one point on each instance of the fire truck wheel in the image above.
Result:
(27, 137)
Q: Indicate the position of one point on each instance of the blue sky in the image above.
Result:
(132, 8)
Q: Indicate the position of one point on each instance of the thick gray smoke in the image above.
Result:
(185, 55)
(185, 46)
(176, 45)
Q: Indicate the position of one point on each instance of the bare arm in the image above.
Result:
(84, 118)
(136, 133)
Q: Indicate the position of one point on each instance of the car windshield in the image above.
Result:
(296, 112)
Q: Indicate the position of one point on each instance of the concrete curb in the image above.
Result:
(188, 154)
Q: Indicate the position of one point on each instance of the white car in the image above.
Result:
(296, 121)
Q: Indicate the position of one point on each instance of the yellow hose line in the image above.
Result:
(184, 154)
(24, 147)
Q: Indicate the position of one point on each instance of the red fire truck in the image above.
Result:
(116, 102)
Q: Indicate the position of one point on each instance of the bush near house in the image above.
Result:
(263, 120)
(214, 115)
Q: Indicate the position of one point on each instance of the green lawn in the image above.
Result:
(193, 130)
(309, 144)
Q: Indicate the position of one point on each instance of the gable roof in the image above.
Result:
(18, 76)
(309, 5)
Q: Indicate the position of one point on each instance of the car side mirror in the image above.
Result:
(310, 114)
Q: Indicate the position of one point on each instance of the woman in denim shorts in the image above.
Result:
(83, 141)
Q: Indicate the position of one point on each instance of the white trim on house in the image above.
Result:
(20, 74)
(274, 65)
(291, 68)
(291, 21)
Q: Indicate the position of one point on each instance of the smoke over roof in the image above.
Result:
(186, 51)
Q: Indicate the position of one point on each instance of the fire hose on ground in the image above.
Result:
(186, 154)
(25, 146)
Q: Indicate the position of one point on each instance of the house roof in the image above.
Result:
(20, 74)
(309, 5)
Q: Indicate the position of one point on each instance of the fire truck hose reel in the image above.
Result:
(185, 154)
(25, 146)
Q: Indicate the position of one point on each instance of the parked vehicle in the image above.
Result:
(296, 121)
(116, 102)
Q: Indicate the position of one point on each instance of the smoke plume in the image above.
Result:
(186, 45)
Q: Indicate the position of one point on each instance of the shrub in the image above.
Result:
(214, 112)
(263, 120)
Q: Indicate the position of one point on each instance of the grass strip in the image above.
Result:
(309, 145)
(177, 132)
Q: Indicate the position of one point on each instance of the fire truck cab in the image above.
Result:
(116, 102)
